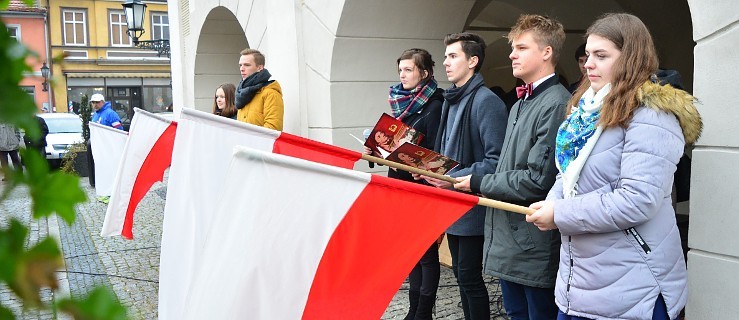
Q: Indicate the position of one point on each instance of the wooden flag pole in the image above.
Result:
(480, 200)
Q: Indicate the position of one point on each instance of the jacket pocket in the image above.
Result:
(638, 240)
(543, 156)
(521, 234)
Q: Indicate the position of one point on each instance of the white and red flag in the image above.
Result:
(201, 155)
(107, 144)
(294, 239)
(206, 142)
(147, 153)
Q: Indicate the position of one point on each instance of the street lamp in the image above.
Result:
(45, 74)
(135, 12)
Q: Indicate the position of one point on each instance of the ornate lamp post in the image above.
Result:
(135, 12)
(45, 74)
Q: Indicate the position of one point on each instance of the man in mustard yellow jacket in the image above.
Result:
(258, 99)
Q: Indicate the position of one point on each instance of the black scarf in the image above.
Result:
(452, 96)
(455, 93)
(248, 87)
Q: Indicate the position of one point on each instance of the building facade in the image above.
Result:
(336, 59)
(27, 24)
(99, 57)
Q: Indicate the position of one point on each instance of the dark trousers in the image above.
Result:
(13, 156)
(466, 254)
(523, 302)
(425, 275)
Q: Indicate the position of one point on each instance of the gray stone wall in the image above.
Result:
(713, 259)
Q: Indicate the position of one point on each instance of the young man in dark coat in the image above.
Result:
(523, 257)
(471, 131)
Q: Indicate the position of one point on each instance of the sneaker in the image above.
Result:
(104, 199)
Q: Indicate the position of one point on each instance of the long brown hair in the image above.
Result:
(638, 61)
(229, 111)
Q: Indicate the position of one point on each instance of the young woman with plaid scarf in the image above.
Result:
(416, 101)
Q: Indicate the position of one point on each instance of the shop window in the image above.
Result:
(157, 99)
(75, 94)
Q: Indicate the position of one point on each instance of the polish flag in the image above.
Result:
(107, 144)
(207, 138)
(294, 239)
(147, 153)
(200, 159)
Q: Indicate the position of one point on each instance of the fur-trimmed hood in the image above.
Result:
(675, 101)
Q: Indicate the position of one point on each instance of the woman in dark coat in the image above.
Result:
(416, 101)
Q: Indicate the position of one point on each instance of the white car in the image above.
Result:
(65, 129)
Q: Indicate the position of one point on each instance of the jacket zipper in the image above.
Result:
(542, 163)
(569, 277)
(518, 112)
(639, 240)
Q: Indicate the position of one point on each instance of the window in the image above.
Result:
(119, 30)
(31, 90)
(75, 94)
(14, 31)
(159, 26)
(157, 99)
(75, 27)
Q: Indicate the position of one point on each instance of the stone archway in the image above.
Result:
(364, 38)
(216, 58)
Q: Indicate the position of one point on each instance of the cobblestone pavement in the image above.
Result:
(447, 300)
(131, 268)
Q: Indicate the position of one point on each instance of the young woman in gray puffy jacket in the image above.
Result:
(616, 153)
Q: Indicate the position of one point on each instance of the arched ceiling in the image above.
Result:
(220, 41)
(493, 19)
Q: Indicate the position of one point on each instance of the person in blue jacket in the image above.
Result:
(104, 114)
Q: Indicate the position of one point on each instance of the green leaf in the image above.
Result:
(12, 241)
(99, 304)
(37, 167)
(57, 192)
(27, 271)
(6, 314)
(36, 270)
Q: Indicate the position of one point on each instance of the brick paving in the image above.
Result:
(447, 300)
(130, 268)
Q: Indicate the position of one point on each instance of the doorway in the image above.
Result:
(123, 100)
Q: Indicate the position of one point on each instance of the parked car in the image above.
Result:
(65, 129)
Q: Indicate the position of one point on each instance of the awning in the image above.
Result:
(118, 75)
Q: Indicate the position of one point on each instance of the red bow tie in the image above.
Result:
(526, 89)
